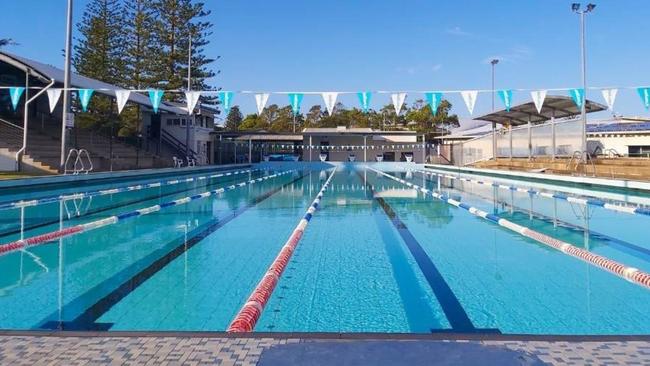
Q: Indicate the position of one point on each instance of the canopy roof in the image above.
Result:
(554, 106)
(342, 130)
(46, 73)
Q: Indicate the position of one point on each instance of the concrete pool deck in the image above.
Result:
(29, 348)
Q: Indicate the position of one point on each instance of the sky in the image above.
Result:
(354, 45)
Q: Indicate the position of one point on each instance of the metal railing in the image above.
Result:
(78, 167)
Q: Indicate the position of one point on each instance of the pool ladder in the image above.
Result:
(78, 167)
(581, 159)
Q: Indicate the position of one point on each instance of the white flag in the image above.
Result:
(610, 97)
(330, 101)
(121, 97)
(398, 101)
(53, 95)
(261, 100)
(192, 97)
(469, 96)
(538, 98)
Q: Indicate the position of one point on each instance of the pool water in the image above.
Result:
(377, 256)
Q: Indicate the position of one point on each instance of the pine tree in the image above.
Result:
(141, 52)
(234, 119)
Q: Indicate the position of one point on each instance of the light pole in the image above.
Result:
(494, 62)
(66, 83)
(576, 8)
(189, 88)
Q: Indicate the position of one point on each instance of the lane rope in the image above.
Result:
(103, 192)
(73, 230)
(578, 200)
(630, 274)
(250, 313)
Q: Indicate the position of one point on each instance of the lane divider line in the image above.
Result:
(631, 274)
(69, 231)
(250, 313)
(102, 192)
(578, 200)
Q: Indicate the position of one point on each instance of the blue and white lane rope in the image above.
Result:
(250, 313)
(631, 274)
(103, 192)
(578, 200)
(72, 230)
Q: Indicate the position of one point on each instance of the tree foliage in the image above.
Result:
(234, 119)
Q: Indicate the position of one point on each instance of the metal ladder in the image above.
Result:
(78, 167)
(577, 160)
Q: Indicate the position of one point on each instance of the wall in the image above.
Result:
(621, 142)
(374, 147)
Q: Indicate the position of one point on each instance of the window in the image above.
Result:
(183, 122)
(177, 121)
(638, 150)
(169, 122)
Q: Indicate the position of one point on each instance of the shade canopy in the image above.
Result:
(555, 106)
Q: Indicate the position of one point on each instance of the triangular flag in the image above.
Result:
(506, 97)
(226, 101)
(121, 97)
(330, 101)
(53, 96)
(260, 100)
(294, 100)
(610, 97)
(192, 97)
(469, 96)
(398, 101)
(84, 98)
(644, 93)
(364, 99)
(434, 100)
(155, 96)
(538, 98)
(578, 96)
(15, 93)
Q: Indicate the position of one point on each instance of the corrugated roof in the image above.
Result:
(353, 131)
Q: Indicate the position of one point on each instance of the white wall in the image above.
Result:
(621, 142)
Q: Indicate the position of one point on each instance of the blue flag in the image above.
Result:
(364, 100)
(644, 93)
(226, 100)
(155, 96)
(506, 97)
(16, 93)
(84, 98)
(578, 96)
(295, 99)
(434, 100)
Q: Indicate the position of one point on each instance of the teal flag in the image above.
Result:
(16, 93)
(644, 93)
(295, 99)
(506, 98)
(84, 98)
(434, 100)
(364, 100)
(578, 96)
(226, 100)
(155, 96)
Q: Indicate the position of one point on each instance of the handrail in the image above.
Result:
(26, 120)
(11, 124)
(177, 144)
(90, 161)
(78, 166)
(67, 159)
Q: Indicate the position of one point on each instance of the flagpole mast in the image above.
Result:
(583, 110)
(494, 62)
(66, 84)
(189, 88)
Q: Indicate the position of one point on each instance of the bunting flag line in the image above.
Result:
(469, 96)
(155, 96)
(261, 100)
(330, 101)
(15, 93)
(226, 101)
(121, 97)
(434, 99)
(364, 100)
(192, 98)
(294, 100)
(398, 101)
(644, 93)
(53, 96)
(610, 97)
(84, 98)
(578, 96)
(506, 98)
(538, 98)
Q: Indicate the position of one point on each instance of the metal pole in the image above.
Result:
(365, 148)
(494, 124)
(25, 112)
(310, 144)
(530, 140)
(66, 82)
(189, 88)
(553, 134)
(250, 150)
(584, 85)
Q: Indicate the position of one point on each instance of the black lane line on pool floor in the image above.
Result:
(88, 319)
(119, 205)
(451, 306)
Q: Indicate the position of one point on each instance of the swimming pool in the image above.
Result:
(380, 254)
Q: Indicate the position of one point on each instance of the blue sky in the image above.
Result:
(352, 45)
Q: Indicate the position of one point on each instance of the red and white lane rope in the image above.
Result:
(631, 274)
(250, 313)
(69, 231)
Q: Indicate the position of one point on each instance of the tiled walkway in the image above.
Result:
(163, 350)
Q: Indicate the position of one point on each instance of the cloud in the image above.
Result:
(457, 31)
(419, 69)
(514, 55)
(436, 67)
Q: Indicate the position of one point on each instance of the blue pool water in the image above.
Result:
(376, 257)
